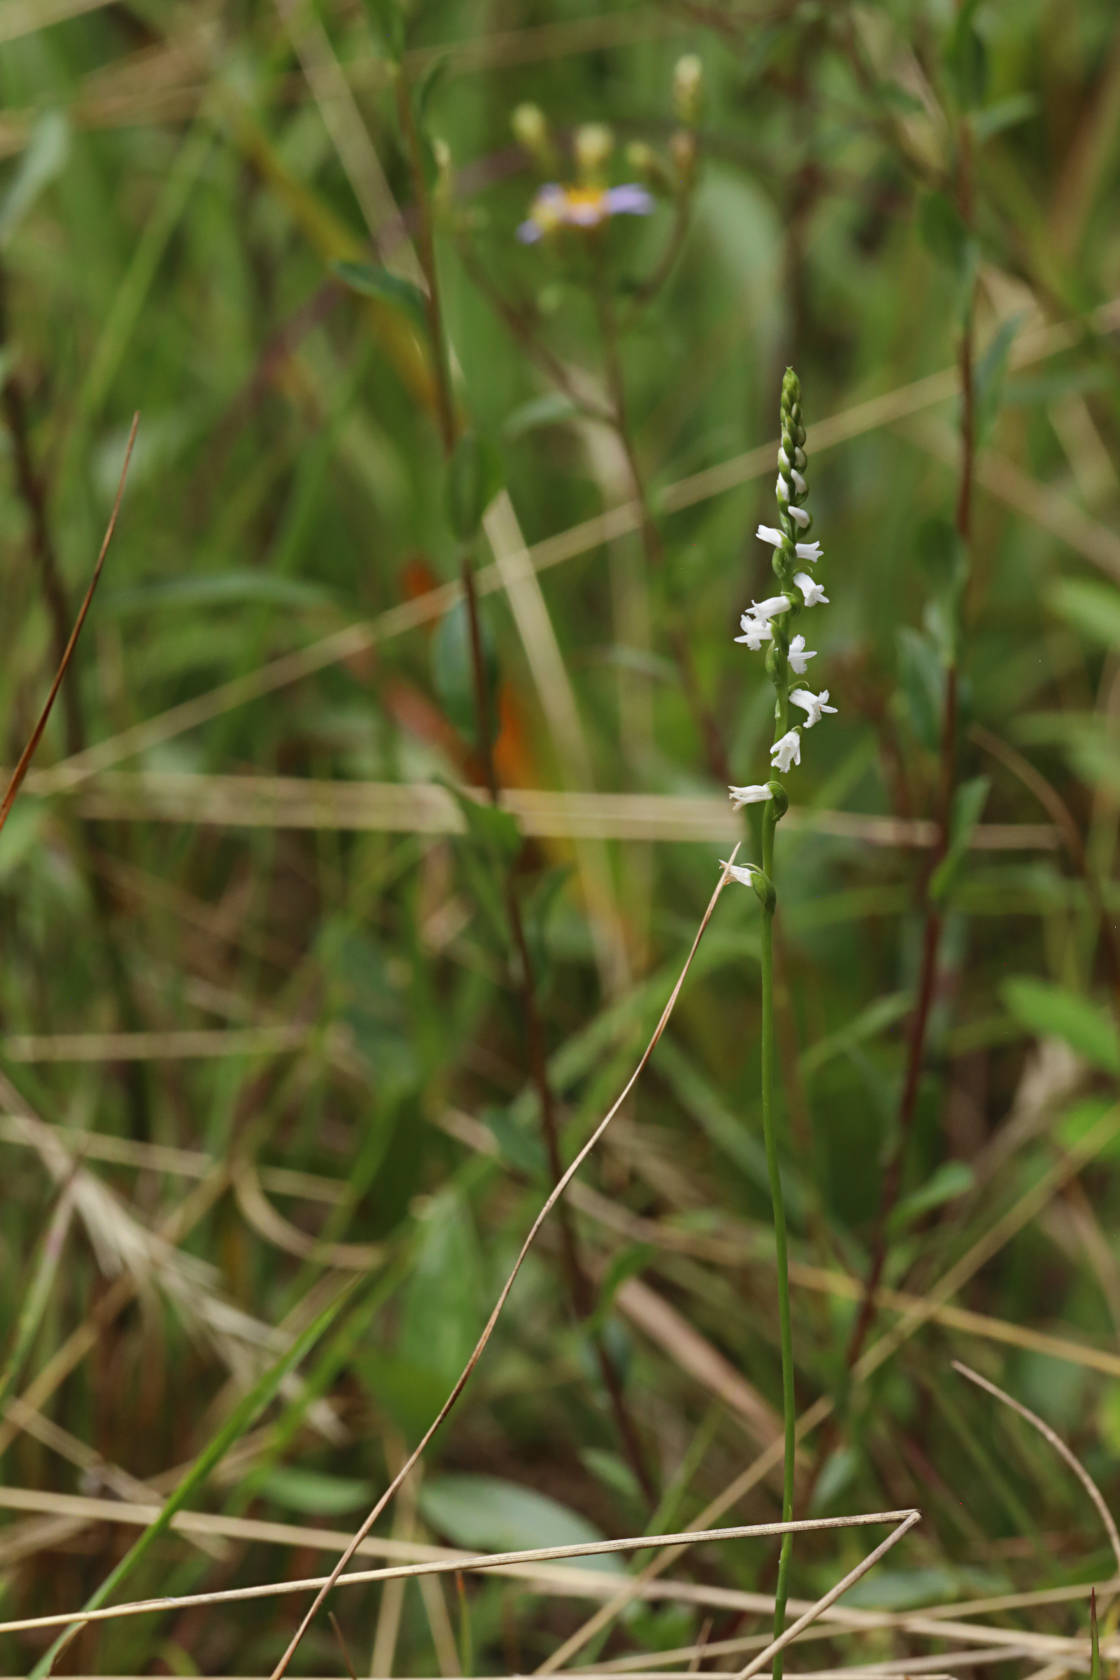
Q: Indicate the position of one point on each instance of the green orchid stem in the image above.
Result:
(773, 1168)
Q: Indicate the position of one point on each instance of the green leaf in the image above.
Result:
(313, 1492)
(1053, 1012)
(392, 289)
(551, 409)
(494, 827)
(991, 374)
(942, 229)
(1089, 606)
(968, 806)
(615, 1474)
(44, 158)
(625, 1264)
(474, 477)
(966, 58)
(950, 1180)
(231, 588)
(486, 1513)
(452, 664)
(922, 680)
(1005, 113)
(433, 77)
(906, 1589)
(386, 19)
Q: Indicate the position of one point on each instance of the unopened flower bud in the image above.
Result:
(530, 130)
(688, 88)
(444, 189)
(592, 145)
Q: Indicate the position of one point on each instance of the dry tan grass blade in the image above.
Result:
(482, 1561)
(830, 1597)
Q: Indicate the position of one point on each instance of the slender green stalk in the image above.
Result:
(770, 624)
(774, 1171)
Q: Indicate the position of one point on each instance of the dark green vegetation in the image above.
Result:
(282, 1010)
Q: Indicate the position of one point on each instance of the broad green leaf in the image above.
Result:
(907, 1589)
(392, 289)
(1053, 1012)
(313, 1492)
(486, 1513)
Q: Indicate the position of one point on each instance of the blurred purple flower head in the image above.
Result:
(557, 206)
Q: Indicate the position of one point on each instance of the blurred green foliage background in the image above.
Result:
(263, 1027)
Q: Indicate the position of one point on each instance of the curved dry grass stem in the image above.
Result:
(458, 1563)
(1058, 1445)
(488, 1329)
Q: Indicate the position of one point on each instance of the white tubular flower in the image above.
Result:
(798, 481)
(741, 871)
(810, 551)
(769, 534)
(771, 607)
(799, 516)
(755, 631)
(756, 794)
(813, 592)
(814, 705)
(787, 751)
(781, 488)
(799, 657)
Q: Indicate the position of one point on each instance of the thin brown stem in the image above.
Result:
(33, 493)
(580, 1287)
(426, 250)
(933, 923)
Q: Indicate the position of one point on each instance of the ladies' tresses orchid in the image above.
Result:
(741, 871)
(810, 551)
(814, 705)
(813, 592)
(774, 621)
(757, 793)
(799, 657)
(786, 751)
(755, 631)
(770, 608)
